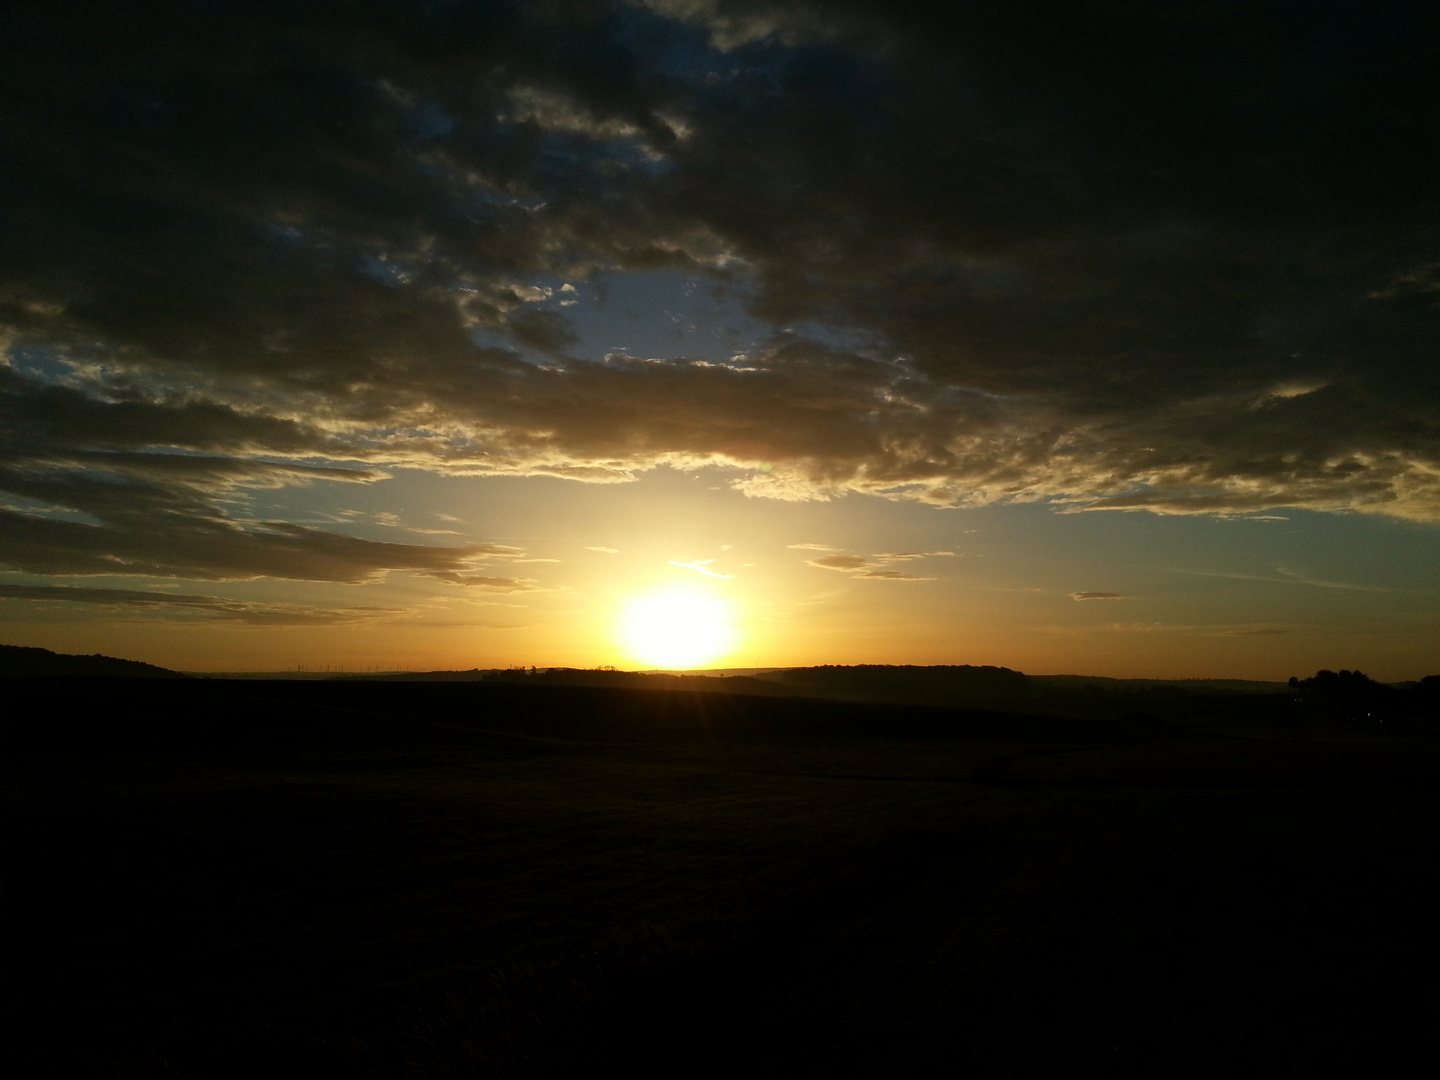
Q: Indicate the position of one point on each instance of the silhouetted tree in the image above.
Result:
(1344, 694)
(1423, 698)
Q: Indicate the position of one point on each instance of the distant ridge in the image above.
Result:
(1199, 686)
(18, 661)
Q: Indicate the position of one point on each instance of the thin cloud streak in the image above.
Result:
(483, 581)
(700, 568)
(198, 608)
(1288, 578)
(869, 567)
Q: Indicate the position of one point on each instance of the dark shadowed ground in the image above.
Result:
(212, 879)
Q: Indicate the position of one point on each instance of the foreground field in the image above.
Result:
(246, 879)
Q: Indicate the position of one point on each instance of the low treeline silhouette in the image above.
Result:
(1143, 701)
(102, 717)
(887, 682)
(947, 686)
(636, 680)
(1345, 696)
(22, 661)
(1353, 695)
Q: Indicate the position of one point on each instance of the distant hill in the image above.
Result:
(1143, 686)
(636, 680)
(940, 684)
(18, 661)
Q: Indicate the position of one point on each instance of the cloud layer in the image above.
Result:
(197, 608)
(872, 566)
(1169, 257)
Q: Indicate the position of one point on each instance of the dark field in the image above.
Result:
(211, 879)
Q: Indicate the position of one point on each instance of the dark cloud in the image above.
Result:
(149, 540)
(1170, 257)
(145, 475)
(199, 608)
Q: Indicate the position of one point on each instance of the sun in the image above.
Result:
(676, 628)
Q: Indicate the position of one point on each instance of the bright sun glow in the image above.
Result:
(676, 628)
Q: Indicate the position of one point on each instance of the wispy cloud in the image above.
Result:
(700, 568)
(1290, 577)
(1097, 596)
(481, 581)
(198, 608)
(1301, 578)
(394, 521)
(1194, 629)
(840, 562)
(872, 566)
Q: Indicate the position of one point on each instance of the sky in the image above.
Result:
(1079, 336)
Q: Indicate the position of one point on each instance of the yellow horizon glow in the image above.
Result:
(677, 627)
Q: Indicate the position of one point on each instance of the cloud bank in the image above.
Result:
(1169, 257)
(178, 606)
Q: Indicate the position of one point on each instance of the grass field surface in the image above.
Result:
(215, 879)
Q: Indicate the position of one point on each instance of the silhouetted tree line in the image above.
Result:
(906, 682)
(21, 661)
(564, 676)
(1353, 695)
